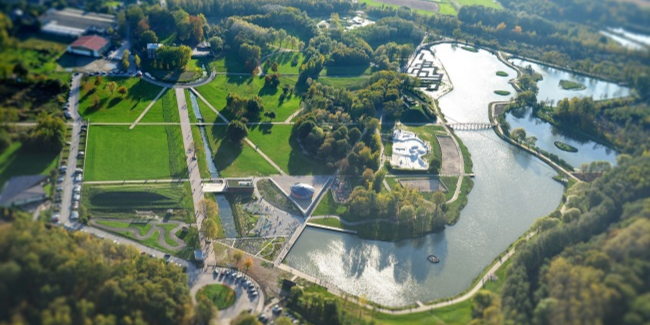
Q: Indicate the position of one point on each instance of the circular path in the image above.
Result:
(243, 301)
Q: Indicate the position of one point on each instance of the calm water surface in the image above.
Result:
(511, 190)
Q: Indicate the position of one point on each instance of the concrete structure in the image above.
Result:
(151, 49)
(22, 190)
(408, 150)
(74, 23)
(89, 45)
(302, 191)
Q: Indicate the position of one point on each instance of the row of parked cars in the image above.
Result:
(240, 279)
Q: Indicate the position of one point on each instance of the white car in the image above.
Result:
(74, 215)
(76, 189)
(76, 197)
(78, 178)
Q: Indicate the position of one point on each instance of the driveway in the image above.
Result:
(243, 300)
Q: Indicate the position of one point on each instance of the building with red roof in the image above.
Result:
(90, 45)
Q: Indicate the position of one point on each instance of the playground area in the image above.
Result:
(408, 151)
(424, 185)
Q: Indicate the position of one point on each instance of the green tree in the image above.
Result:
(236, 131)
(274, 67)
(216, 44)
(209, 229)
(518, 134)
(48, 134)
(439, 199)
(237, 256)
(98, 80)
(248, 263)
(125, 60)
(245, 318)
(20, 70)
(136, 60)
(111, 86)
(122, 90)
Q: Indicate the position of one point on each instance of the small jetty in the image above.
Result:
(433, 259)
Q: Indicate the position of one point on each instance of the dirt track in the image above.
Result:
(414, 4)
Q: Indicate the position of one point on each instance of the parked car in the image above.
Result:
(79, 170)
(60, 179)
(68, 143)
(76, 197)
(55, 218)
(81, 154)
(78, 178)
(67, 115)
(76, 189)
(75, 205)
(74, 215)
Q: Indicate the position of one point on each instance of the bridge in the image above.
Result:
(471, 126)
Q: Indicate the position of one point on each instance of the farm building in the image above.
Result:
(74, 23)
(23, 190)
(90, 45)
(302, 191)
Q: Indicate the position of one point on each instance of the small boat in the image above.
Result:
(433, 259)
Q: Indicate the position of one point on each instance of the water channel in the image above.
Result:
(511, 190)
(225, 211)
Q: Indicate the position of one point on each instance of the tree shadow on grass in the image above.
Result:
(237, 80)
(301, 164)
(25, 161)
(267, 91)
(227, 152)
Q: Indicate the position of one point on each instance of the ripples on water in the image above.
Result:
(511, 190)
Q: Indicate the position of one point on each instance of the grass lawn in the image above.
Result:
(285, 62)
(17, 161)
(392, 182)
(447, 9)
(234, 160)
(328, 206)
(453, 315)
(216, 91)
(208, 114)
(143, 227)
(486, 3)
(121, 201)
(229, 62)
(114, 108)
(165, 109)
(330, 222)
(221, 296)
(330, 71)
(193, 71)
(145, 152)
(349, 83)
(277, 143)
(381, 4)
(571, 85)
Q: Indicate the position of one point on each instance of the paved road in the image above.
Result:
(68, 183)
(244, 300)
(193, 168)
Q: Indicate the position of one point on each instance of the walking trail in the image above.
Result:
(147, 109)
(245, 139)
(180, 244)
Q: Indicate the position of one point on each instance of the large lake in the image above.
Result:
(511, 190)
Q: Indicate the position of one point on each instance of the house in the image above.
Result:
(90, 45)
(74, 23)
(240, 186)
(203, 46)
(23, 190)
(151, 49)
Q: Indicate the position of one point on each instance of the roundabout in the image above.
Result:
(231, 292)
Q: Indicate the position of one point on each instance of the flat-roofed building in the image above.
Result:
(74, 23)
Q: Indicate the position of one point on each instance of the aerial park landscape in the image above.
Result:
(370, 162)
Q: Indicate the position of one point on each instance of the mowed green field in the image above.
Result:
(114, 107)
(165, 109)
(276, 142)
(121, 201)
(285, 62)
(18, 161)
(486, 3)
(145, 152)
(234, 160)
(216, 91)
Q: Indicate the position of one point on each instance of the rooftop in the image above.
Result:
(92, 42)
(20, 188)
(72, 21)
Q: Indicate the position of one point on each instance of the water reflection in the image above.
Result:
(511, 190)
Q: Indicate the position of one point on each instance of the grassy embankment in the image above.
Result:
(278, 144)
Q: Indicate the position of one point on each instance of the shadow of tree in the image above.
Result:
(227, 152)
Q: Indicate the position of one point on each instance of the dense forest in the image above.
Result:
(51, 276)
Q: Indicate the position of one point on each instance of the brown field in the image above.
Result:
(414, 4)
